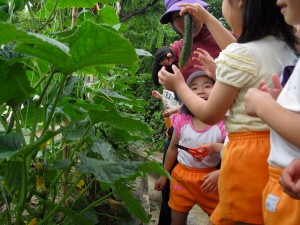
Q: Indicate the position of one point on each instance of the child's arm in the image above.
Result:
(170, 112)
(222, 36)
(169, 162)
(210, 185)
(285, 122)
(211, 111)
(157, 95)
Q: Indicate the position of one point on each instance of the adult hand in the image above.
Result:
(290, 179)
(171, 81)
(166, 61)
(203, 61)
(196, 10)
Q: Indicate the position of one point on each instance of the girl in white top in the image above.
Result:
(283, 117)
(265, 45)
(193, 182)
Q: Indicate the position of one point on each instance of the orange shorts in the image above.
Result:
(278, 207)
(168, 125)
(243, 177)
(185, 190)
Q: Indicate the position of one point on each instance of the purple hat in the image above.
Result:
(172, 6)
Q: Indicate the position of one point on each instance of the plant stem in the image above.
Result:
(18, 126)
(23, 193)
(7, 206)
(56, 207)
(32, 16)
(71, 156)
(50, 16)
(58, 95)
(97, 202)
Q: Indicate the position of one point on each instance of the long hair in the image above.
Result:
(262, 18)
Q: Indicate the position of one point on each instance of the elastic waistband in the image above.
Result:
(275, 172)
(199, 170)
(249, 135)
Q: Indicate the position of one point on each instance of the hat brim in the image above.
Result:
(166, 17)
(195, 74)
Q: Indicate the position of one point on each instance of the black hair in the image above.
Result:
(262, 18)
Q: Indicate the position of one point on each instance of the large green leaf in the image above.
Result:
(111, 172)
(108, 16)
(14, 84)
(93, 45)
(90, 45)
(127, 123)
(9, 144)
(104, 149)
(34, 44)
(82, 3)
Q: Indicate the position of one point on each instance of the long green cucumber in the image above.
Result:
(187, 40)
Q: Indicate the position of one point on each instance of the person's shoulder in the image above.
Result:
(241, 51)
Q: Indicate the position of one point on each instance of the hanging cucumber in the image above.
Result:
(187, 40)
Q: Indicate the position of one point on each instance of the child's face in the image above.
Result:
(232, 12)
(179, 24)
(202, 86)
(290, 10)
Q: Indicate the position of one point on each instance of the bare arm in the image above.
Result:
(172, 152)
(169, 162)
(285, 122)
(210, 111)
(221, 35)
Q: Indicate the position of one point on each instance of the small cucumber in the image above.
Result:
(187, 40)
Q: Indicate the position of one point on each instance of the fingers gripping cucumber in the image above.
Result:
(187, 40)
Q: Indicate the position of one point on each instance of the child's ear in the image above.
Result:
(240, 3)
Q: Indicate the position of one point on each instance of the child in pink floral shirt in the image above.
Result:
(193, 182)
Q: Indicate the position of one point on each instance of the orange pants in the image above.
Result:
(278, 207)
(185, 190)
(243, 176)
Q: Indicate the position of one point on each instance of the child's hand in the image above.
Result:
(210, 185)
(160, 183)
(290, 179)
(274, 92)
(156, 94)
(171, 81)
(203, 61)
(168, 112)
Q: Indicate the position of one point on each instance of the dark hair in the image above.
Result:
(262, 18)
